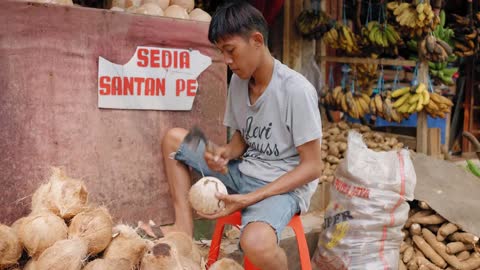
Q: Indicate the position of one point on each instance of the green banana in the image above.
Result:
(473, 168)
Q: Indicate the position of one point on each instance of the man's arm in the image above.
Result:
(310, 168)
(236, 147)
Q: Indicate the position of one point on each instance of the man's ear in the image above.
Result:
(257, 39)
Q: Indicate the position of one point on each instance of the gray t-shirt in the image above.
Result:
(284, 117)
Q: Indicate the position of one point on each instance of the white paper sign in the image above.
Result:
(153, 79)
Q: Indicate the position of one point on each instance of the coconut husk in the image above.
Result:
(161, 256)
(94, 226)
(225, 264)
(108, 264)
(66, 254)
(31, 265)
(62, 195)
(189, 264)
(184, 245)
(10, 247)
(126, 244)
(41, 230)
(16, 225)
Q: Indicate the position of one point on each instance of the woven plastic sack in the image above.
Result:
(367, 210)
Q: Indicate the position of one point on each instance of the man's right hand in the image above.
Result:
(217, 158)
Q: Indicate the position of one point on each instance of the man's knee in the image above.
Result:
(259, 238)
(173, 138)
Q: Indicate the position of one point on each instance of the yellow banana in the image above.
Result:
(400, 91)
(426, 97)
(399, 102)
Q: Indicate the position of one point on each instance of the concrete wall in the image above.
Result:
(49, 115)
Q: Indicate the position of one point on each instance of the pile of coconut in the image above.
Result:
(64, 231)
(179, 9)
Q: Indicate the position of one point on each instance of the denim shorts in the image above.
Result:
(277, 211)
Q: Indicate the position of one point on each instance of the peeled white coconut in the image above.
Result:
(163, 4)
(175, 11)
(94, 226)
(39, 231)
(184, 245)
(186, 4)
(117, 9)
(200, 15)
(162, 255)
(126, 244)
(149, 9)
(63, 255)
(108, 264)
(10, 247)
(133, 3)
(226, 264)
(202, 195)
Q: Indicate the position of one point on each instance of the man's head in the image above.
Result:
(240, 32)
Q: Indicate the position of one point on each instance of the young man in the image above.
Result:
(277, 124)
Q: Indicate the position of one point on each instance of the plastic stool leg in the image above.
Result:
(233, 219)
(304, 254)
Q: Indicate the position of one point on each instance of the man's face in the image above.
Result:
(240, 54)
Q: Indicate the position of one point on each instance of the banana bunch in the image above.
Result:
(466, 36)
(313, 25)
(415, 19)
(441, 72)
(382, 35)
(382, 105)
(438, 106)
(365, 76)
(411, 99)
(355, 104)
(342, 37)
(434, 49)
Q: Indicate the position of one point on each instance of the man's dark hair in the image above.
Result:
(237, 18)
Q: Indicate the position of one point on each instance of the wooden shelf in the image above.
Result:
(358, 60)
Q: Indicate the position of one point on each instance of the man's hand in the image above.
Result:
(232, 202)
(217, 158)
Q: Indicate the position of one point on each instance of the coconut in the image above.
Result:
(161, 256)
(31, 265)
(163, 4)
(62, 195)
(226, 264)
(119, 3)
(186, 4)
(200, 15)
(10, 247)
(126, 244)
(202, 195)
(16, 225)
(133, 3)
(63, 255)
(175, 11)
(189, 264)
(117, 9)
(149, 9)
(94, 226)
(108, 264)
(184, 245)
(41, 230)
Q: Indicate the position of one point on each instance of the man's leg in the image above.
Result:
(179, 181)
(259, 243)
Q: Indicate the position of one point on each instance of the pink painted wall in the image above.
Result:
(49, 115)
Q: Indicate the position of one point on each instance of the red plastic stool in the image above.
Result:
(236, 219)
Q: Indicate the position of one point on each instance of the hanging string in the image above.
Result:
(345, 70)
(344, 13)
(369, 13)
(380, 81)
(415, 75)
(430, 84)
(396, 79)
(331, 81)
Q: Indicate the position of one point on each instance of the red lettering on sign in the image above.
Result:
(160, 87)
(184, 59)
(166, 59)
(117, 86)
(149, 87)
(191, 87)
(139, 82)
(180, 86)
(142, 56)
(127, 86)
(104, 85)
(155, 57)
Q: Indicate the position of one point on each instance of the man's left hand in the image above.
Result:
(232, 202)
